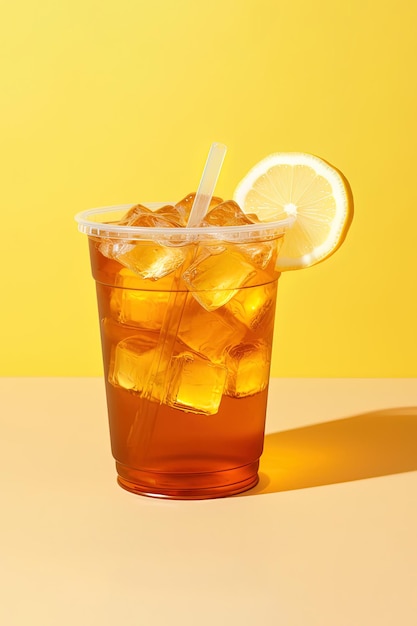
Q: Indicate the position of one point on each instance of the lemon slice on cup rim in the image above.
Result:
(307, 187)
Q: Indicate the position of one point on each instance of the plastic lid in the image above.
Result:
(102, 223)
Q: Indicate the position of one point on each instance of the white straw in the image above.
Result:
(207, 184)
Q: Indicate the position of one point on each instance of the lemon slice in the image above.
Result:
(308, 188)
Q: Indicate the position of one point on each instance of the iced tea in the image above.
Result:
(186, 327)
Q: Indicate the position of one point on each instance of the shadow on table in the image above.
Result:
(372, 444)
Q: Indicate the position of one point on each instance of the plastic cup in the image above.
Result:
(186, 350)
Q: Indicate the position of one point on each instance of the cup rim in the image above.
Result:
(89, 225)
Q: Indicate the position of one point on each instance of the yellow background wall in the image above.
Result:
(114, 102)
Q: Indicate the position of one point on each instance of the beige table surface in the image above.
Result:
(327, 538)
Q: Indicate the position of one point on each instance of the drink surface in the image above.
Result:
(186, 336)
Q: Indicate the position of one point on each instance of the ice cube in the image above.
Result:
(128, 279)
(227, 213)
(215, 278)
(248, 369)
(140, 215)
(110, 247)
(136, 213)
(260, 253)
(184, 206)
(173, 214)
(132, 361)
(196, 384)
(144, 309)
(150, 259)
(255, 307)
(209, 333)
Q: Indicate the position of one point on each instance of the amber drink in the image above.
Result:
(187, 319)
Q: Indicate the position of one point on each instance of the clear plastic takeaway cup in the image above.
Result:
(186, 319)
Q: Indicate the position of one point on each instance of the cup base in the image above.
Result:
(188, 486)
